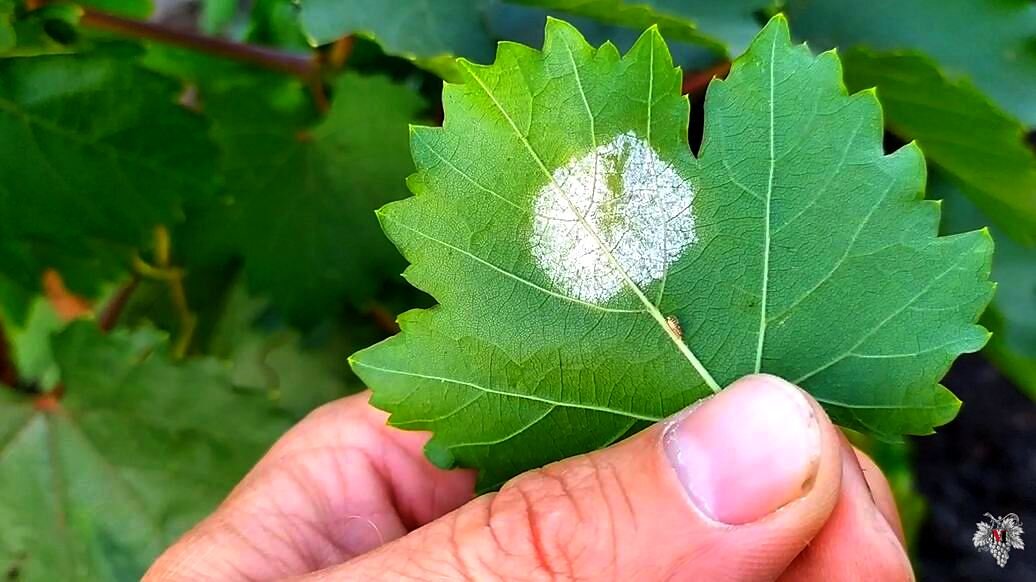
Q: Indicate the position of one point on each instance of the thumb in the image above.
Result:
(733, 488)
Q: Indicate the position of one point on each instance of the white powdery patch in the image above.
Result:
(645, 226)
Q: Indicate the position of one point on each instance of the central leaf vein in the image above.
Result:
(766, 221)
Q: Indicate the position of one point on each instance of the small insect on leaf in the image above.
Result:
(674, 326)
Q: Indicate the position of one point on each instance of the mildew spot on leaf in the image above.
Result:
(618, 209)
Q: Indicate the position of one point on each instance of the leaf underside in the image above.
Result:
(593, 275)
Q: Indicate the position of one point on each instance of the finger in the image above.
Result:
(732, 489)
(338, 484)
(857, 542)
(881, 491)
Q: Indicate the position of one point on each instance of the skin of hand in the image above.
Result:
(754, 483)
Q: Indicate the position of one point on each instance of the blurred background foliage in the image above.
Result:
(188, 249)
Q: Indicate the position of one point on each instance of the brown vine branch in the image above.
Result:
(8, 369)
(697, 81)
(339, 52)
(383, 318)
(110, 314)
(301, 65)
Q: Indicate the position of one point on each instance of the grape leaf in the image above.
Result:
(298, 371)
(277, 23)
(216, 15)
(139, 9)
(432, 34)
(301, 199)
(95, 485)
(8, 35)
(568, 234)
(723, 26)
(633, 14)
(48, 29)
(95, 153)
(30, 349)
(429, 33)
(525, 24)
(1012, 314)
(959, 128)
(993, 42)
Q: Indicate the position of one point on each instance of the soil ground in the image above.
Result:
(984, 461)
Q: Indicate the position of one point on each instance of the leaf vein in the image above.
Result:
(507, 273)
(505, 393)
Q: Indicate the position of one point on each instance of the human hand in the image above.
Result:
(752, 484)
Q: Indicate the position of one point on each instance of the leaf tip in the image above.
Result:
(910, 148)
(463, 64)
(988, 242)
(778, 22)
(439, 455)
(382, 215)
(774, 34)
(609, 49)
(558, 26)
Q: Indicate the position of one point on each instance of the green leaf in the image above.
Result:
(15, 300)
(49, 29)
(95, 153)
(791, 245)
(725, 26)
(8, 36)
(277, 23)
(959, 129)
(1012, 315)
(94, 486)
(525, 24)
(301, 200)
(139, 9)
(633, 14)
(993, 41)
(429, 33)
(216, 15)
(297, 371)
(30, 344)
(432, 34)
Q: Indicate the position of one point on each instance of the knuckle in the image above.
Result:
(562, 521)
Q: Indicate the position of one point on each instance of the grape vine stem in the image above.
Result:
(304, 66)
(695, 82)
(8, 370)
(109, 316)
